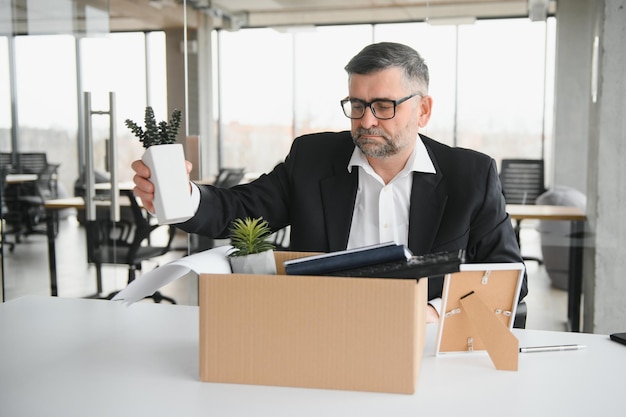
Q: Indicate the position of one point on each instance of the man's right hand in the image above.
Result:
(144, 189)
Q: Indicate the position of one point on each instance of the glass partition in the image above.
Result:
(491, 83)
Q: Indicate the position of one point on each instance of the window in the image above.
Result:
(47, 97)
(46, 101)
(5, 97)
(501, 88)
(256, 98)
(490, 83)
(321, 81)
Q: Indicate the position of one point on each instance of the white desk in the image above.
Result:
(75, 357)
(20, 178)
(577, 218)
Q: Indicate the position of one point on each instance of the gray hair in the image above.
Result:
(384, 55)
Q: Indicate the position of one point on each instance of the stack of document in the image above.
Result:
(329, 263)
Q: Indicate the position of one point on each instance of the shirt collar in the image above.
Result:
(419, 161)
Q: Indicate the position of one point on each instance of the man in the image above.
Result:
(383, 182)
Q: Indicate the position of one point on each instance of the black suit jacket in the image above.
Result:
(461, 206)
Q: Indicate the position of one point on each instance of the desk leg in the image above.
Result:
(575, 285)
(52, 258)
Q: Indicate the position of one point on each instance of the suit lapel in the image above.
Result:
(428, 200)
(338, 197)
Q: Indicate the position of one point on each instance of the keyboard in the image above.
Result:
(418, 266)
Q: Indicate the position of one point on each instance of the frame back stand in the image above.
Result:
(502, 346)
(479, 305)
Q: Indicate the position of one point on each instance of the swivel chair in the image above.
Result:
(127, 242)
(522, 182)
(229, 177)
(226, 178)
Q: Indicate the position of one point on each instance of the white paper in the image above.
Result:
(212, 261)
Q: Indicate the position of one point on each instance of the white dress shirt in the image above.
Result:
(381, 211)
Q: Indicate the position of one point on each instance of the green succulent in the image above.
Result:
(156, 134)
(249, 236)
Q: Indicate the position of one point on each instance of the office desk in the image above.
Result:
(52, 207)
(20, 178)
(76, 357)
(577, 218)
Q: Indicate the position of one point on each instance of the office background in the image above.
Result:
(504, 84)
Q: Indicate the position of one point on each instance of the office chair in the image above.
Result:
(4, 169)
(519, 322)
(25, 201)
(6, 162)
(33, 197)
(229, 177)
(281, 238)
(127, 242)
(31, 162)
(522, 182)
(226, 178)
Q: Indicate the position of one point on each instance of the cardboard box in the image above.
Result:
(361, 334)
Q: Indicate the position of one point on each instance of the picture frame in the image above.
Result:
(479, 304)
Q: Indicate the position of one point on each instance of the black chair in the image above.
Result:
(520, 316)
(4, 212)
(80, 190)
(31, 162)
(281, 238)
(25, 201)
(33, 197)
(226, 178)
(229, 177)
(522, 182)
(6, 162)
(127, 242)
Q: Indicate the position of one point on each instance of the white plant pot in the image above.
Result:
(172, 199)
(257, 263)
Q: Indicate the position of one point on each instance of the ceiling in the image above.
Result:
(232, 14)
(145, 15)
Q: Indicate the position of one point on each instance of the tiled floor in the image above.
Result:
(26, 272)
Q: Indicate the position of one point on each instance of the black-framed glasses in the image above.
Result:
(382, 109)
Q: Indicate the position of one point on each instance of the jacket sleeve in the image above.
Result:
(492, 238)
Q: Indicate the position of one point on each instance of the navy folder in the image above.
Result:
(348, 259)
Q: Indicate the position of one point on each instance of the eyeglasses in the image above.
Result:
(354, 108)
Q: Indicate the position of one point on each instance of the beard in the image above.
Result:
(374, 148)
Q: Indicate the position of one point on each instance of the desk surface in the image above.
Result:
(74, 357)
(517, 211)
(19, 178)
(63, 203)
(79, 203)
(542, 212)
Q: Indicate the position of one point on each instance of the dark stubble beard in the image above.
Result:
(373, 148)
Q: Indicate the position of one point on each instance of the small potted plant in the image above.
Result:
(252, 253)
(166, 160)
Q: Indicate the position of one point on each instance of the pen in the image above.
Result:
(558, 348)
